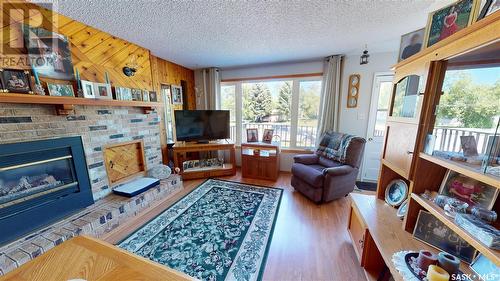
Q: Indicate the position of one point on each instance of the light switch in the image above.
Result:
(361, 116)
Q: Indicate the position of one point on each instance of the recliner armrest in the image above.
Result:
(306, 159)
(338, 171)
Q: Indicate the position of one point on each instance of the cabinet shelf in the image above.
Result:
(491, 254)
(66, 103)
(463, 169)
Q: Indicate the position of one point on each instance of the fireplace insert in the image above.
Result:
(40, 183)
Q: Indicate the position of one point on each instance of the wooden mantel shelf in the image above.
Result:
(65, 104)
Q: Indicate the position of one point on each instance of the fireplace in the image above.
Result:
(41, 182)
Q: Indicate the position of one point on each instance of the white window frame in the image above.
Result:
(294, 110)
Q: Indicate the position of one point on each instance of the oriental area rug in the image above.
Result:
(221, 230)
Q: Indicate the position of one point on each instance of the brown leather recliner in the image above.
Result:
(323, 177)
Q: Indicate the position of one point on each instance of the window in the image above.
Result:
(228, 102)
(289, 107)
(309, 99)
(382, 108)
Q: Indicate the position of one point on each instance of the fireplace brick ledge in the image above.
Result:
(96, 220)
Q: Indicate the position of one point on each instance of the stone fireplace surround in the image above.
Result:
(98, 126)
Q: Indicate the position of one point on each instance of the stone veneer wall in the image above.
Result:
(98, 126)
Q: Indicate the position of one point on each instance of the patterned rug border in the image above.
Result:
(271, 234)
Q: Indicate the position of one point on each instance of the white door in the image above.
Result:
(381, 94)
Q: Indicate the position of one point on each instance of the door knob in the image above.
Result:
(370, 139)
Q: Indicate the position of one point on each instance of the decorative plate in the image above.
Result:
(402, 209)
(396, 192)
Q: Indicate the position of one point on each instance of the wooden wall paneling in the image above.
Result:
(94, 52)
(168, 73)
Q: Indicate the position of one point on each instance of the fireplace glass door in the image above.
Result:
(30, 180)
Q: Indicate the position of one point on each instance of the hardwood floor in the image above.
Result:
(310, 241)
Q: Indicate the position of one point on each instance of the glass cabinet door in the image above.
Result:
(406, 97)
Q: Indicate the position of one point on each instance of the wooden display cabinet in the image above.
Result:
(264, 164)
(228, 169)
(403, 157)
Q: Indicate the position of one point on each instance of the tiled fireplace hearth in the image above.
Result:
(97, 126)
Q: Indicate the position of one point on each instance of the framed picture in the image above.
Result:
(252, 135)
(123, 93)
(435, 233)
(103, 91)
(88, 89)
(136, 95)
(145, 95)
(448, 20)
(484, 268)
(16, 80)
(469, 145)
(60, 90)
(176, 94)
(430, 143)
(488, 7)
(49, 52)
(268, 135)
(153, 97)
(411, 43)
(469, 190)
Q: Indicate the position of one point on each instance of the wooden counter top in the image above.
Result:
(91, 259)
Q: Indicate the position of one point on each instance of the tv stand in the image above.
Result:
(228, 169)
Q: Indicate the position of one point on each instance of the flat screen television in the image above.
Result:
(201, 125)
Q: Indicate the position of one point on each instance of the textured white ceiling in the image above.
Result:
(224, 33)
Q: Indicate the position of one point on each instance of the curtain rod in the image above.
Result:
(273, 77)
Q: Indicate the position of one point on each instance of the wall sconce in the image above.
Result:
(131, 68)
(364, 57)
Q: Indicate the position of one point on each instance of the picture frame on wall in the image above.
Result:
(145, 95)
(449, 20)
(153, 97)
(468, 190)
(411, 43)
(123, 93)
(103, 91)
(60, 90)
(136, 94)
(176, 92)
(435, 233)
(88, 89)
(252, 135)
(16, 81)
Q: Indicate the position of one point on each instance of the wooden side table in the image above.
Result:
(260, 160)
